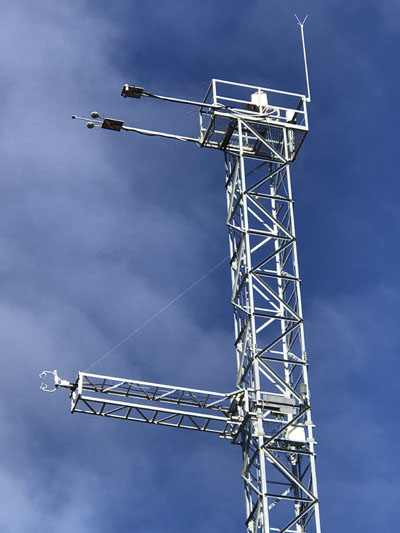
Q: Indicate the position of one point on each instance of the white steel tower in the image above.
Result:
(267, 413)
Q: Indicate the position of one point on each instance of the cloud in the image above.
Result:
(101, 230)
(350, 346)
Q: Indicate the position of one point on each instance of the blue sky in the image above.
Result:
(100, 230)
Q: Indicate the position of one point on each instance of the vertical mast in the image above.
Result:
(278, 454)
(268, 413)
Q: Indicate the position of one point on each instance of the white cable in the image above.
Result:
(139, 328)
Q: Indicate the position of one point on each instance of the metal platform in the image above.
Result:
(275, 122)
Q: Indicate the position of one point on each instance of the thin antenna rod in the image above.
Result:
(301, 24)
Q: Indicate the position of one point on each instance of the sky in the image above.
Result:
(100, 230)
